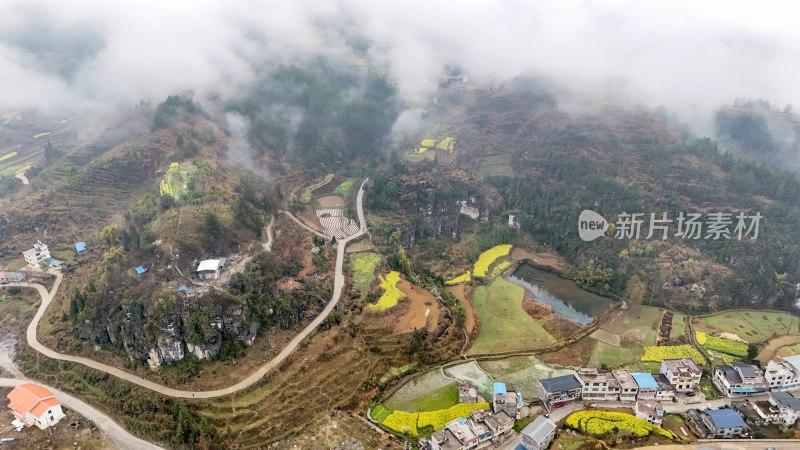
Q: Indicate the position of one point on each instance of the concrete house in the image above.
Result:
(652, 412)
(37, 256)
(538, 434)
(598, 385)
(556, 390)
(739, 379)
(783, 374)
(628, 389)
(724, 423)
(11, 277)
(32, 404)
(682, 373)
(648, 387)
(780, 408)
(468, 394)
(506, 401)
(209, 269)
(498, 423)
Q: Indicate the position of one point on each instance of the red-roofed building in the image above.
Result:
(34, 405)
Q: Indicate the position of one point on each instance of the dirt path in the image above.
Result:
(773, 345)
(21, 177)
(338, 285)
(543, 258)
(459, 291)
(116, 433)
(303, 224)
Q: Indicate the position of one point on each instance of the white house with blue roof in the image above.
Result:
(725, 423)
(648, 387)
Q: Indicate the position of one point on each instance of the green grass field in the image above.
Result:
(754, 327)
(441, 398)
(418, 387)
(521, 373)
(639, 326)
(309, 191)
(678, 326)
(614, 357)
(344, 188)
(505, 326)
(495, 165)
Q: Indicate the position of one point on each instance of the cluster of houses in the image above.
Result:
(484, 428)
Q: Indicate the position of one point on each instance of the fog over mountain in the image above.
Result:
(95, 56)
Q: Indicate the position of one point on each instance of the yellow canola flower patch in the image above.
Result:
(8, 156)
(446, 143)
(438, 419)
(391, 294)
(428, 143)
(600, 423)
(402, 422)
(488, 257)
(174, 166)
(701, 337)
(660, 353)
(422, 149)
(459, 279)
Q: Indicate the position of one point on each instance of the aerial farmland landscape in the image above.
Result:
(358, 225)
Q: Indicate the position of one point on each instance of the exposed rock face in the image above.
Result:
(197, 330)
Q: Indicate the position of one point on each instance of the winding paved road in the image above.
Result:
(338, 285)
(116, 433)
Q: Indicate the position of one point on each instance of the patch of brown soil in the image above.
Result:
(773, 345)
(422, 309)
(576, 354)
(537, 310)
(459, 292)
(288, 284)
(540, 258)
(331, 201)
(360, 246)
(561, 328)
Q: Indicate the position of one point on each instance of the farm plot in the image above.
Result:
(522, 373)
(639, 326)
(678, 327)
(330, 201)
(176, 180)
(753, 327)
(613, 356)
(419, 391)
(504, 324)
(336, 224)
(488, 257)
(309, 191)
(726, 346)
(472, 373)
(364, 265)
(391, 294)
(660, 353)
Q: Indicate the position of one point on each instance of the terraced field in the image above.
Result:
(521, 373)
(754, 327)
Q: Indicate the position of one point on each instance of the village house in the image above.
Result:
(666, 392)
(739, 379)
(724, 423)
(468, 394)
(498, 423)
(597, 385)
(783, 374)
(628, 389)
(37, 256)
(11, 277)
(648, 387)
(32, 404)
(209, 269)
(558, 390)
(479, 430)
(652, 412)
(780, 408)
(507, 401)
(682, 373)
(538, 434)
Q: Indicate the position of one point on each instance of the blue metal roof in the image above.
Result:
(725, 418)
(182, 288)
(141, 269)
(499, 388)
(80, 247)
(53, 262)
(461, 420)
(644, 380)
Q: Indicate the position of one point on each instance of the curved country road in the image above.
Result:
(338, 285)
(116, 433)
